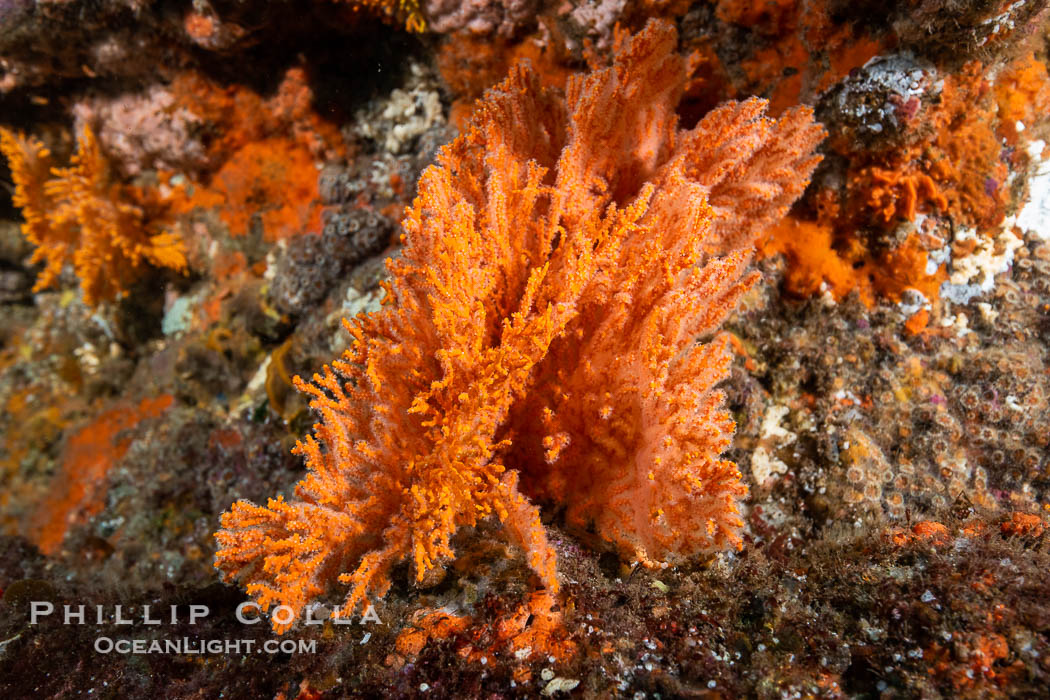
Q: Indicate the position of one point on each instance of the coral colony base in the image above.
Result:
(518, 348)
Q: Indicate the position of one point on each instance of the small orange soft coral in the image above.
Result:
(406, 12)
(538, 339)
(77, 216)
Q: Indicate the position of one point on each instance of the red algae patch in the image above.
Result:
(88, 456)
(925, 531)
(264, 161)
(1023, 524)
(815, 265)
(274, 180)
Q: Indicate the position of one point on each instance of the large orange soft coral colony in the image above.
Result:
(538, 339)
(77, 216)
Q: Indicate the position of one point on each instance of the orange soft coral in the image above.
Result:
(559, 262)
(407, 12)
(469, 65)
(77, 216)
